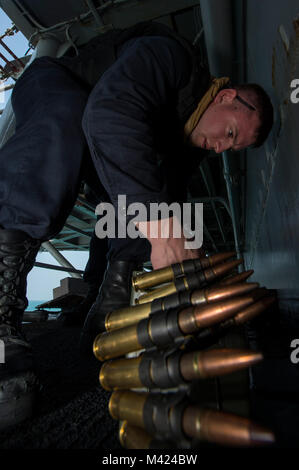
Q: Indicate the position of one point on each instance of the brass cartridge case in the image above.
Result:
(117, 343)
(158, 293)
(132, 437)
(204, 424)
(121, 374)
(127, 316)
(160, 276)
(124, 374)
(153, 278)
(209, 274)
(124, 317)
(128, 406)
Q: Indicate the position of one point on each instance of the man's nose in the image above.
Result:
(221, 146)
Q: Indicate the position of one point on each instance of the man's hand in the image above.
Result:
(170, 251)
(168, 242)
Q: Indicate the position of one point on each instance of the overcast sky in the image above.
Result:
(40, 281)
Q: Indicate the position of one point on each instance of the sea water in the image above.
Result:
(34, 303)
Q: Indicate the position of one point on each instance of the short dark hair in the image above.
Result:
(261, 101)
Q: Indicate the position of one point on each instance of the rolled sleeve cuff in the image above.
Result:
(143, 207)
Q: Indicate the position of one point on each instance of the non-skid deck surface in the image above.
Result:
(71, 410)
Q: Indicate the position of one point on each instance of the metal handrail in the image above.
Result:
(57, 268)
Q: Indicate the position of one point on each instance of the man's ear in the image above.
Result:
(227, 95)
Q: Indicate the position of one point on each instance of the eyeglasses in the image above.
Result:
(245, 103)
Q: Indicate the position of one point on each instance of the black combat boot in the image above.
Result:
(17, 379)
(114, 293)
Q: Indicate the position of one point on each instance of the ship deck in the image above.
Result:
(71, 410)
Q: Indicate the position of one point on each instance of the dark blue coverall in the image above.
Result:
(127, 119)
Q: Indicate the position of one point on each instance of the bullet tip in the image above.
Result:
(261, 436)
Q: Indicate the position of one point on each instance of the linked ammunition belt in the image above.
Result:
(161, 369)
(164, 329)
(171, 333)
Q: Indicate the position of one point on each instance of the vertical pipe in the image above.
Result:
(226, 172)
(218, 27)
(47, 46)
